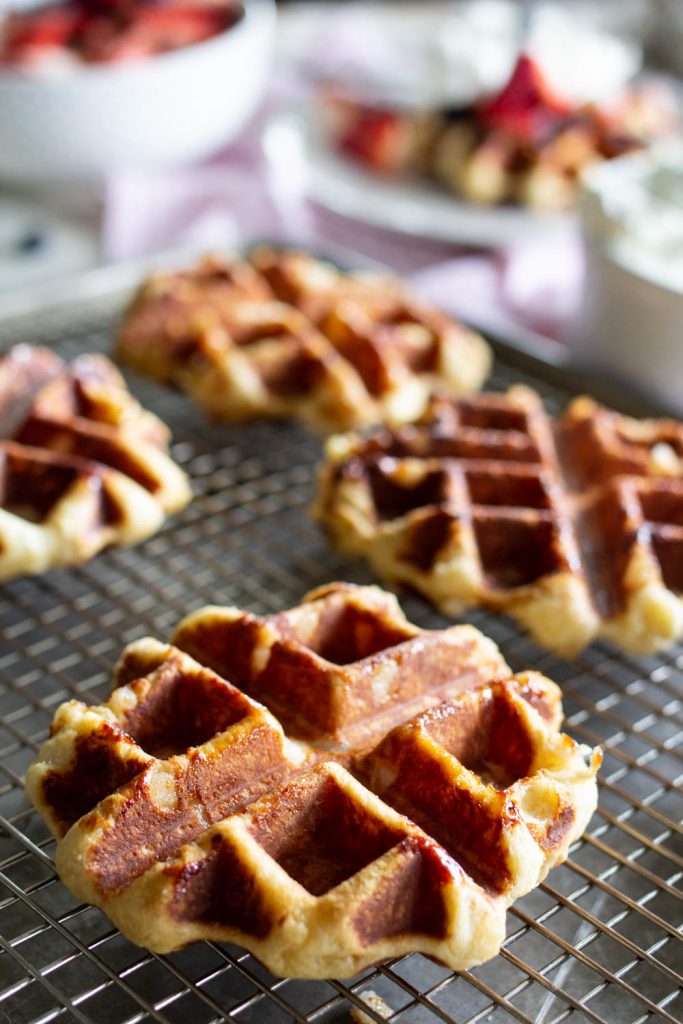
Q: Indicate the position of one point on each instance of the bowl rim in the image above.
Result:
(255, 12)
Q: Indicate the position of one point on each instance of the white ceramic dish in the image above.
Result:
(412, 208)
(632, 308)
(173, 108)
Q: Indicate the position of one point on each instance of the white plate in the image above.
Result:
(411, 207)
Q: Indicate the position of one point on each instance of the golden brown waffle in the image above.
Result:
(287, 335)
(84, 466)
(432, 790)
(574, 525)
(522, 147)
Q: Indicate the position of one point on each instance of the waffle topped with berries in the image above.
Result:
(286, 335)
(572, 525)
(527, 145)
(84, 466)
(186, 810)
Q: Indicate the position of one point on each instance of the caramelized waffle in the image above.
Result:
(286, 335)
(84, 466)
(574, 525)
(185, 810)
(525, 145)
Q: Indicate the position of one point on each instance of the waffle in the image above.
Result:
(83, 465)
(526, 145)
(286, 335)
(574, 526)
(186, 810)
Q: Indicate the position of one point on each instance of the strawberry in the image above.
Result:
(527, 107)
(46, 29)
(113, 30)
(179, 26)
(111, 8)
(377, 139)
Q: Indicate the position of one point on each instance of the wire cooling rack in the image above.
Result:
(597, 942)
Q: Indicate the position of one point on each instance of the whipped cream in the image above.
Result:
(634, 206)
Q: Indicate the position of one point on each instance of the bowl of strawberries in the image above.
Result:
(90, 85)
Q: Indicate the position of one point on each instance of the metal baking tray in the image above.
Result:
(597, 942)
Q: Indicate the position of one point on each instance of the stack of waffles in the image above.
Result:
(573, 525)
(84, 466)
(285, 335)
(401, 790)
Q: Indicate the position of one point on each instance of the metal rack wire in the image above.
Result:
(596, 943)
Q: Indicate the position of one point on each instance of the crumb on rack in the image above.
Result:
(376, 1004)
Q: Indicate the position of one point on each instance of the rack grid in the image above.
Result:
(597, 942)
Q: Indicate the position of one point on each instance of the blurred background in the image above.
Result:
(519, 162)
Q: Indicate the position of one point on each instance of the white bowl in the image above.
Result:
(632, 308)
(172, 108)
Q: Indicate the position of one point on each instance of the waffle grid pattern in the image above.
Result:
(572, 523)
(595, 943)
(286, 335)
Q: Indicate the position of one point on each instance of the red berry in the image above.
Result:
(377, 139)
(47, 29)
(527, 107)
